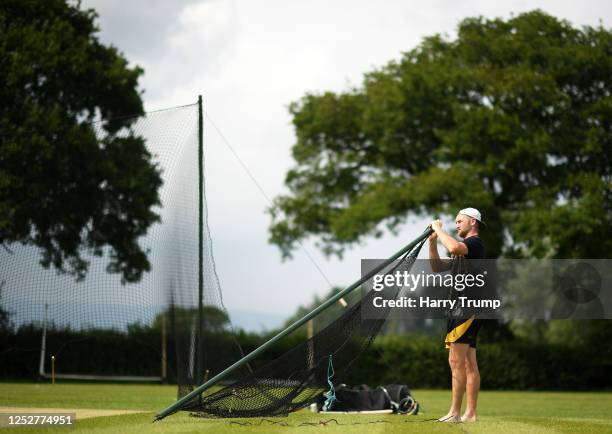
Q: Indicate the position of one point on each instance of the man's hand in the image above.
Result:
(437, 265)
(436, 225)
(454, 247)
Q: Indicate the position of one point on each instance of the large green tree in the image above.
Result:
(512, 117)
(63, 186)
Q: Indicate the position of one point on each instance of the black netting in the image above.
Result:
(101, 328)
(295, 379)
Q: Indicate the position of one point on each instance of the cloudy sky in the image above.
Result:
(250, 59)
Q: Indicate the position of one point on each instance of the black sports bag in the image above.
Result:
(394, 397)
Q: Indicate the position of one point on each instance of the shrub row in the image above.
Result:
(423, 363)
(420, 362)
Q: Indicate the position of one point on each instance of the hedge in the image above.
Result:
(423, 363)
(420, 362)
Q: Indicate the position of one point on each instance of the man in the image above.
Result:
(462, 332)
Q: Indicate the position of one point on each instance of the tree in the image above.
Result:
(64, 187)
(214, 320)
(512, 117)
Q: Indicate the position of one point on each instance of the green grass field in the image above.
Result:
(500, 412)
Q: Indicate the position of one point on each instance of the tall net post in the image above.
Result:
(200, 348)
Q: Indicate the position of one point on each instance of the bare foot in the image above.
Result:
(468, 418)
(450, 418)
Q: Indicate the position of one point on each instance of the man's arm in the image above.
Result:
(454, 247)
(437, 265)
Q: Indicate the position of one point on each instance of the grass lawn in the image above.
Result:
(500, 412)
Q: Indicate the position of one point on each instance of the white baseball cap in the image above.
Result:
(472, 212)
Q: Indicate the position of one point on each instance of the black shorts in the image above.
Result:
(462, 331)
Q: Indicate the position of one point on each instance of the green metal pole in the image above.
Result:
(221, 375)
(199, 366)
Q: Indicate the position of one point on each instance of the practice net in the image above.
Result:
(297, 378)
(99, 328)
